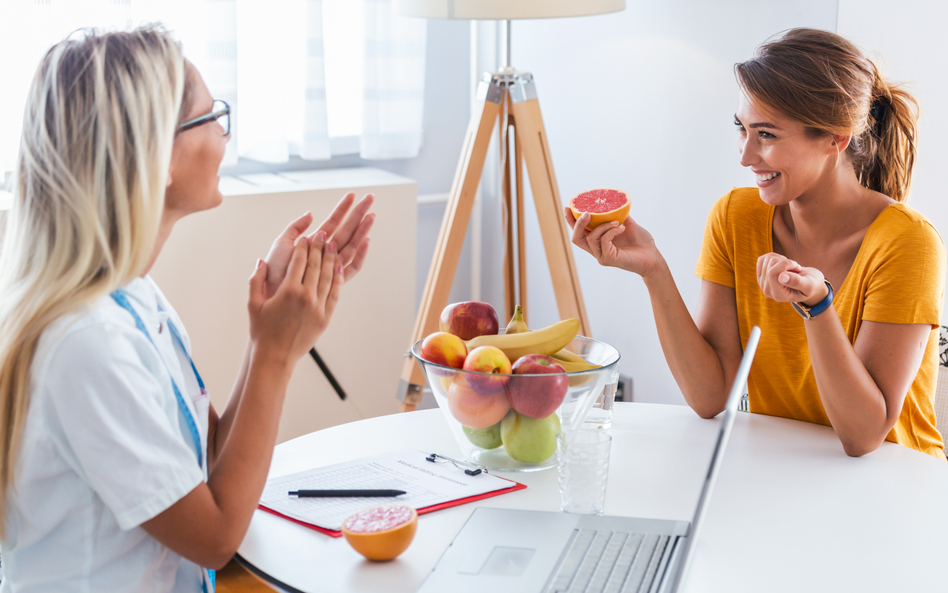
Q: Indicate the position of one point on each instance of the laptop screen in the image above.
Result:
(727, 423)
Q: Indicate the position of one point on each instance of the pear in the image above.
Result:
(517, 324)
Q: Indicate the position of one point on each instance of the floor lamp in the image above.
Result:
(510, 97)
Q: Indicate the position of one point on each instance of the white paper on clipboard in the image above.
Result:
(424, 482)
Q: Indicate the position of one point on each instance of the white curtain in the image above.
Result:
(393, 96)
(266, 59)
(213, 50)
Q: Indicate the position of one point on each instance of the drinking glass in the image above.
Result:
(583, 465)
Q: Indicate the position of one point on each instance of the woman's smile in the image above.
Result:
(766, 178)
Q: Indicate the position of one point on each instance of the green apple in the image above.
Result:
(530, 440)
(485, 438)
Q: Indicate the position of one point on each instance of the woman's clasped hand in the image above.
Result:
(294, 291)
(785, 281)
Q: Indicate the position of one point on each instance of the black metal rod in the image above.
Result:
(325, 369)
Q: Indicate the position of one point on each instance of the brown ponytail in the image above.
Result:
(825, 82)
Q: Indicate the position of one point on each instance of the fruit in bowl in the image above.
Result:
(485, 438)
(530, 440)
(469, 319)
(548, 340)
(474, 409)
(444, 349)
(538, 386)
(494, 435)
(489, 369)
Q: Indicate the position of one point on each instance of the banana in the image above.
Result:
(573, 363)
(546, 341)
(568, 356)
(574, 367)
(517, 323)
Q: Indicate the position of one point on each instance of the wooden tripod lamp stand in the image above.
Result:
(508, 97)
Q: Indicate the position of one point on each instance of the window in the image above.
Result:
(293, 70)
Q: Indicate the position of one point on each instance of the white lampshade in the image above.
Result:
(504, 9)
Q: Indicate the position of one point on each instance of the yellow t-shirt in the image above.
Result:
(898, 276)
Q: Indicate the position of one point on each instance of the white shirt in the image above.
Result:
(105, 449)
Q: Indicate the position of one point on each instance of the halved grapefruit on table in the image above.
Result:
(604, 205)
(381, 533)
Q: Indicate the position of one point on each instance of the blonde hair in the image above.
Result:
(89, 192)
(826, 83)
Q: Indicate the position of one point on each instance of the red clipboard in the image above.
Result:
(421, 511)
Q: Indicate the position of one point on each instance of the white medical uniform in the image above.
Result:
(105, 449)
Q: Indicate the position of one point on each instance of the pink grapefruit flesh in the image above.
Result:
(603, 205)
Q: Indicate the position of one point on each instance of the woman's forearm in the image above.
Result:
(226, 420)
(697, 367)
(853, 402)
(238, 477)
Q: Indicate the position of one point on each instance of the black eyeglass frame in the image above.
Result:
(214, 115)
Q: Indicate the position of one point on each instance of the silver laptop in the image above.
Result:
(520, 551)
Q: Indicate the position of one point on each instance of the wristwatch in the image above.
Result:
(811, 312)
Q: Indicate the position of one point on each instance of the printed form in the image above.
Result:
(425, 483)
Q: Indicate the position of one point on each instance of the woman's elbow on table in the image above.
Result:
(198, 529)
(859, 447)
(218, 559)
(706, 409)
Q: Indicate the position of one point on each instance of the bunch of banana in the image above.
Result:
(570, 361)
(546, 341)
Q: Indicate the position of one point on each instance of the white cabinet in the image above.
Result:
(205, 266)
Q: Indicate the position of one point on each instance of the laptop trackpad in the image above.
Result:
(503, 561)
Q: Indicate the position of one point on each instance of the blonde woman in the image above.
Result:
(117, 473)
(845, 280)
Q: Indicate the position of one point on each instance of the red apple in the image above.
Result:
(469, 319)
(444, 349)
(487, 359)
(473, 409)
(537, 396)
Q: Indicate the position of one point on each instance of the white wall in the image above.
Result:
(641, 100)
(910, 44)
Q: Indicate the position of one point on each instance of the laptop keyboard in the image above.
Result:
(609, 562)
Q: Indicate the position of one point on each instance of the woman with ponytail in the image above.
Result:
(844, 279)
(117, 474)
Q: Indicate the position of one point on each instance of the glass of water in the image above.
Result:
(583, 465)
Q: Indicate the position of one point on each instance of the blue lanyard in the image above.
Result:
(177, 337)
(119, 297)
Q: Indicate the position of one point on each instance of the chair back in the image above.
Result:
(941, 386)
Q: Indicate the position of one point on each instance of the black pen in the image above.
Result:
(343, 493)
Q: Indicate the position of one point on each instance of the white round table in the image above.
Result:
(790, 511)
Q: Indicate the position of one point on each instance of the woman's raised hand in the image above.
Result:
(785, 281)
(288, 322)
(627, 246)
(349, 233)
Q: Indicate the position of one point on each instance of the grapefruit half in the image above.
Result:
(381, 533)
(604, 205)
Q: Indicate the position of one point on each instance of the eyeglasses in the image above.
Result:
(219, 112)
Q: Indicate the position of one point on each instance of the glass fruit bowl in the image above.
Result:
(484, 409)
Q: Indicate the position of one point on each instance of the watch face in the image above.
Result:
(803, 310)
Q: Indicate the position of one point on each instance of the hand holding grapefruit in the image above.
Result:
(603, 205)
